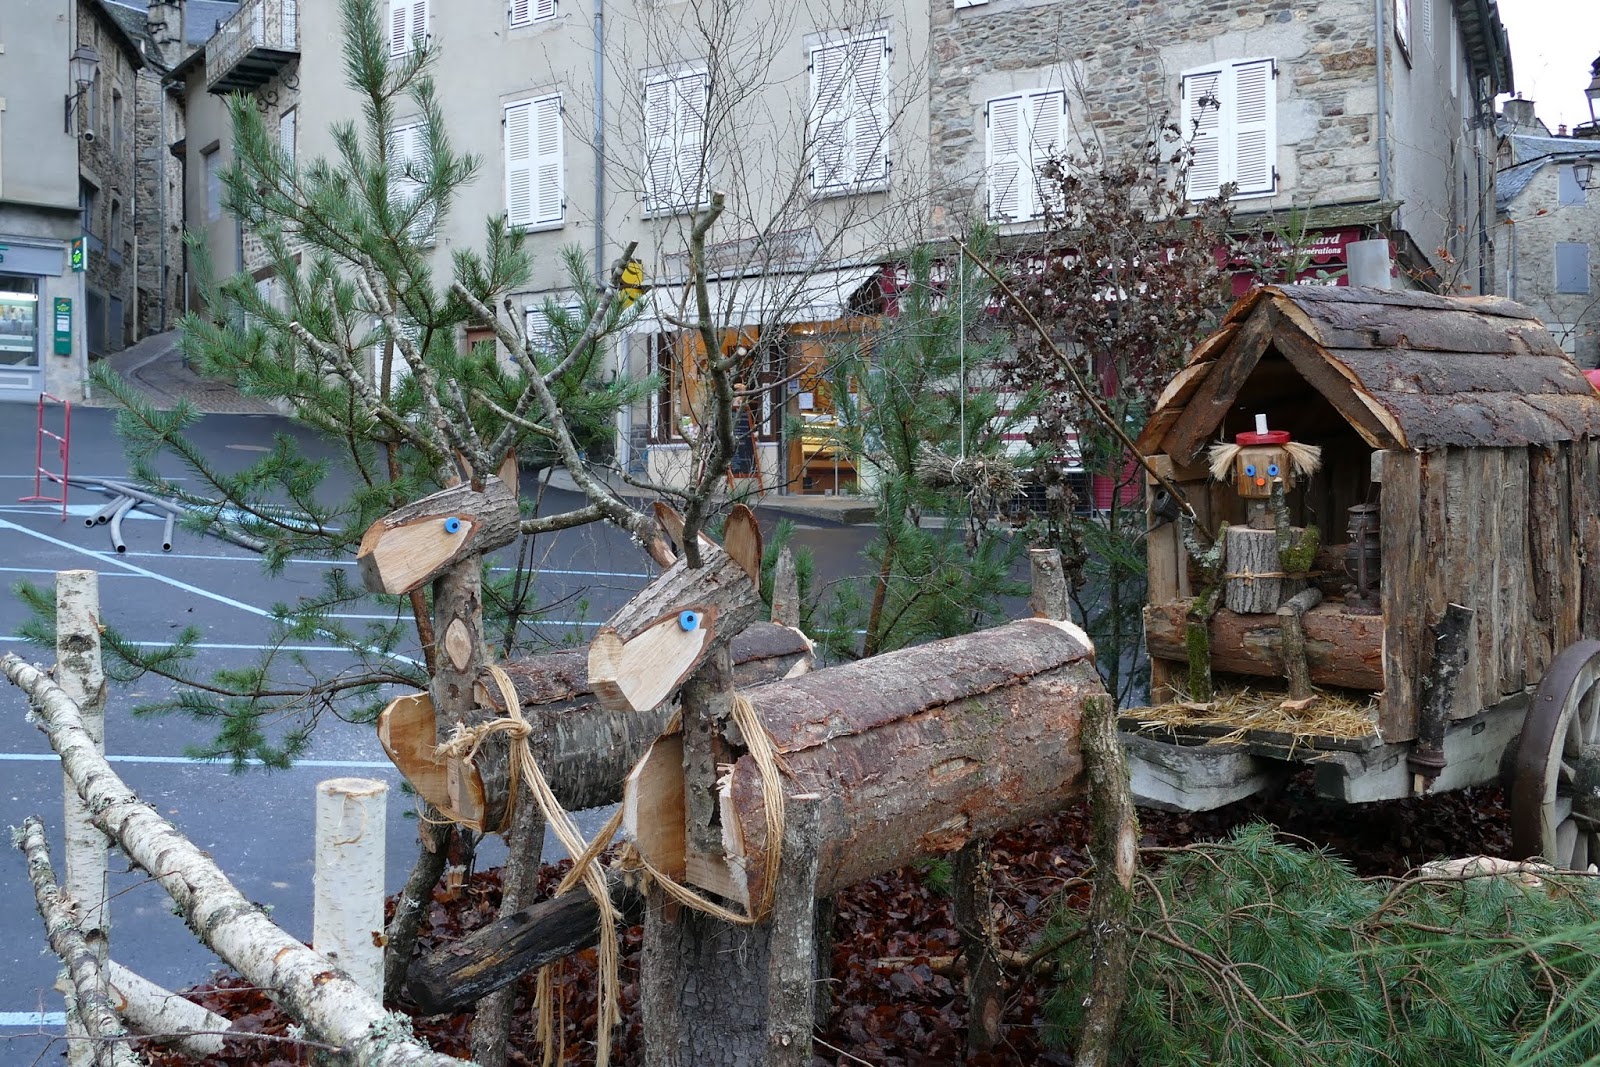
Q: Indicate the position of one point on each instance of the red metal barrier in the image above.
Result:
(63, 442)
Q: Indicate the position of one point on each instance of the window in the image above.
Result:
(408, 26)
(1427, 24)
(1455, 51)
(1572, 267)
(1023, 132)
(534, 193)
(849, 120)
(408, 161)
(675, 175)
(116, 232)
(286, 132)
(1566, 335)
(527, 12)
(1402, 25)
(116, 121)
(86, 198)
(1569, 192)
(211, 164)
(542, 333)
(1230, 111)
(19, 321)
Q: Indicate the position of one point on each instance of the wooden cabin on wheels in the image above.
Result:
(1447, 453)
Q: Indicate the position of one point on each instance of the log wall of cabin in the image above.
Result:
(1504, 531)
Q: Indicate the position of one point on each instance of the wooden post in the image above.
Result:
(1050, 598)
(82, 677)
(972, 891)
(1450, 652)
(785, 591)
(347, 921)
(718, 995)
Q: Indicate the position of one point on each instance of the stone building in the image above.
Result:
(1374, 121)
(1550, 229)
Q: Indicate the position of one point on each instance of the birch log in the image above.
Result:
(165, 1017)
(82, 677)
(332, 1008)
(347, 918)
(103, 1033)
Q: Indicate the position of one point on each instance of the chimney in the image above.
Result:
(1561, 130)
(165, 23)
(1520, 117)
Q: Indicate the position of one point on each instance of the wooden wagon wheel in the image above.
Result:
(1555, 782)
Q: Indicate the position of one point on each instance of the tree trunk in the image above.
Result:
(1255, 582)
(165, 1017)
(347, 886)
(103, 1033)
(519, 882)
(1295, 668)
(400, 937)
(917, 751)
(972, 889)
(1114, 846)
(717, 995)
(1341, 649)
(482, 798)
(331, 1007)
(82, 677)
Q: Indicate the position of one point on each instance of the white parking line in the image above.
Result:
(6, 524)
(31, 1020)
(336, 764)
(636, 575)
(218, 646)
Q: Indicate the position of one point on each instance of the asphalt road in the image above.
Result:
(257, 825)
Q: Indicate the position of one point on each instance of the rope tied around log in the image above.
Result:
(464, 743)
(1250, 576)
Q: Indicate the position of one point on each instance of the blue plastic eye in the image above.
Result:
(688, 620)
(452, 525)
(1272, 469)
(1250, 470)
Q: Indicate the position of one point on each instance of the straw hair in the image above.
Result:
(1307, 459)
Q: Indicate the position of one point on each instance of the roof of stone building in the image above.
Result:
(1405, 369)
(128, 27)
(1529, 154)
(203, 18)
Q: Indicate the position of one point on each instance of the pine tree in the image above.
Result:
(920, 401)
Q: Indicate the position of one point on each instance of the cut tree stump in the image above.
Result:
(1255, 582)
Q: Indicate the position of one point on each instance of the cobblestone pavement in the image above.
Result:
(155, 365)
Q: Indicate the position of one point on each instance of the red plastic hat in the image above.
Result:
(1271, 437)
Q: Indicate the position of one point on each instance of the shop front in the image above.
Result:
(39, 332)
(783, 338)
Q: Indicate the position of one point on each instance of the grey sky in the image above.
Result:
(1553, 42)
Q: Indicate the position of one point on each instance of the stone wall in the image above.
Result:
(108, 162)
(1120, 64)
(1539, 220)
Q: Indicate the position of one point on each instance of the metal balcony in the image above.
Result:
(253, 46)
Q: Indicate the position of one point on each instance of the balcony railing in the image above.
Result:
(253, 46)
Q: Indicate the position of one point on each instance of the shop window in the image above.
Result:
(19, 321)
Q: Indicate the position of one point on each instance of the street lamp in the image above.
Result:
(1593, 92)
(1583, 173)
(81, 68)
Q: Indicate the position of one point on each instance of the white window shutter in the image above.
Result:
(830, 115)
(519, 164)
(1046, 137)
(399, 26)
(419, 23)
(1201, 120)
(1006, 161)
(691, 96)
(549, 196)
(659, 148)
(544, 9)
(869, 69)
(1254, 136)
(286, 132)
(521, 12)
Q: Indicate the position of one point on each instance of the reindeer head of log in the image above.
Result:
(414, 544)
(649, 648)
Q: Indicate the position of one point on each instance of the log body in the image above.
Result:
(914, 752)
(1340, 649)
(1255, 581)
(589, 750)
